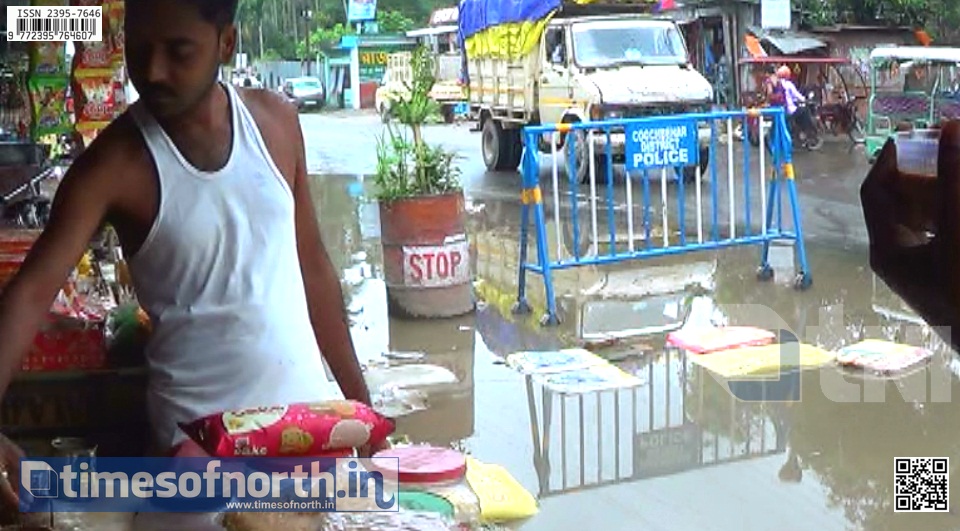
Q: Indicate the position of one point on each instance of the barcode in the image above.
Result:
(59, 25)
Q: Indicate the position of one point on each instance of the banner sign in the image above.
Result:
(663, 144)
(775, 14)
(201, 485)
(361, 10)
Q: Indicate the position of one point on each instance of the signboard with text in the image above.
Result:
(775, 14)
(361, 10)
(664, 144)
(437, 266)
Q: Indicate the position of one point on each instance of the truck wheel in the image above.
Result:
(448, 115)
(502, 149)
(581, 158)
(514, 147)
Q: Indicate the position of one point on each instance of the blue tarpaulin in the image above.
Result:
(478, 15)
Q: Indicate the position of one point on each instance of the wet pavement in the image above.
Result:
(678, 452)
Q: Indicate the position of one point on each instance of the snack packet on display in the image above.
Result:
(94, 55)
(309, 429)
(88, 131)
(95, 98)
(119, 99)
(114, 13)
(48, 97)
(48, 59)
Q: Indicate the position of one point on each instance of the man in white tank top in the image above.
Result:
(206, 186)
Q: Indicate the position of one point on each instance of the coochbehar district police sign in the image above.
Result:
(663, 144)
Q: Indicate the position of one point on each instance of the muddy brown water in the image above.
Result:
(679, 452)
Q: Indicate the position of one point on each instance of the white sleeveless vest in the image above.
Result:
(220, 278)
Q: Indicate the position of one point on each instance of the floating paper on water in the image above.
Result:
(882, 356)
(547, 362)
(587, 380)
(709, 340)
(766, 359)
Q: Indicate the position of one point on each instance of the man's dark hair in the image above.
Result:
(220, 13)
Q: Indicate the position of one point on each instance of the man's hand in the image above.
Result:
(914, 228)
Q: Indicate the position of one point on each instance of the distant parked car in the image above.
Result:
(305, 92)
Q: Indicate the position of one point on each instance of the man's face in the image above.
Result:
(173, 54)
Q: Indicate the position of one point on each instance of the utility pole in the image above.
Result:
(307, 17)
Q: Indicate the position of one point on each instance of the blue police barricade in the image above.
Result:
(677, 152)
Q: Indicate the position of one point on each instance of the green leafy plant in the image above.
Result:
(407, 166)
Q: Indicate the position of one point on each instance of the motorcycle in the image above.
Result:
(809, 137)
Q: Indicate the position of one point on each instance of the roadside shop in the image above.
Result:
(81, 386)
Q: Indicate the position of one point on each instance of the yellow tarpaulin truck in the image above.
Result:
(549, 61)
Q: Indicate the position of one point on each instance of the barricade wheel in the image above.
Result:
(803, 282)
(765, 273)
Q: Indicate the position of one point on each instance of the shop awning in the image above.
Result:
(438, 30)
(789, 42)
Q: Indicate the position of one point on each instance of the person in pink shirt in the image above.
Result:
(795, 102)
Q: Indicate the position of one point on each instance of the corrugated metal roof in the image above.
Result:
(788, 42)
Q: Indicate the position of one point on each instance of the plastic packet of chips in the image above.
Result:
(48, 59)
(88, 131)
(95, 97)
(48, 97)
(114, 13)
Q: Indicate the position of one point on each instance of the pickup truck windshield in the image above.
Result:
(617, 42)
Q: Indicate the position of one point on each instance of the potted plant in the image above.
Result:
(426, 252)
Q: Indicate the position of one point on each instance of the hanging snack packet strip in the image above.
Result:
(48, 96)
(48, 59)
(94, 55)
(114, 13)
(94, 97)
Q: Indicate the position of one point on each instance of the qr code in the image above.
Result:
(922, 485)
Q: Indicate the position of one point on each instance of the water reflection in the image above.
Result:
(823, 460)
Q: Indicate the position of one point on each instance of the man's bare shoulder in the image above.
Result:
(270, 106)
(118, 151)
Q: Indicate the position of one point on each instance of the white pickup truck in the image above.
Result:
(583, 68)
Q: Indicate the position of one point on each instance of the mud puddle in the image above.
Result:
(679, 451)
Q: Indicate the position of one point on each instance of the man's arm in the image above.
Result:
(324, 296)
(80, 205)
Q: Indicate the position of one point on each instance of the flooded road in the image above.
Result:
(680, 451)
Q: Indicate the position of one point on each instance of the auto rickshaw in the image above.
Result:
(911, 87)
(838, 88)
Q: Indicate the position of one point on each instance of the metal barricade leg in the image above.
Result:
(766, 272)
(530, 163)
(804, 277)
